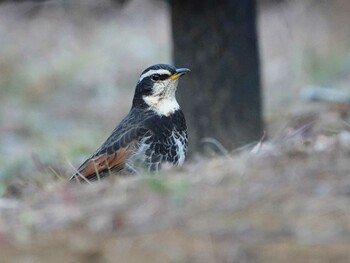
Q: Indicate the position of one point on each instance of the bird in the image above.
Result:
(153, 133)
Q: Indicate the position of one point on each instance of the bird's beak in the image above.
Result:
(179, 72)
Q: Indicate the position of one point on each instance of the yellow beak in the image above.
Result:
(179, 72)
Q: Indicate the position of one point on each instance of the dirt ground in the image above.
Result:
(276, 204)
(67, 75)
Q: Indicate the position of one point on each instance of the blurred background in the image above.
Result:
(68, 73)
(68, 68)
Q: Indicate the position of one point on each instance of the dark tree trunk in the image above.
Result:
(221, 97)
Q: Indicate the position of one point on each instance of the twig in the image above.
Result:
(96, 171)
(55, 173)
(257, 147)
(244, 147)
(77, 173)
(217, 144)
(299, 131)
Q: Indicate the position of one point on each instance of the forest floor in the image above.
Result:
(285, 199)
(278, 203)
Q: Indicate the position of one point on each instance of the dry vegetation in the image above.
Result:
(67, 75)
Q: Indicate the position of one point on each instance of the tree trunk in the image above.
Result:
(221, 97)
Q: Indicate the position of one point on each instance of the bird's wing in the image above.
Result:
(114, 152)
(112, 155)
(99, 165)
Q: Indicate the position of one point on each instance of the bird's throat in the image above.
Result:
(162, 106)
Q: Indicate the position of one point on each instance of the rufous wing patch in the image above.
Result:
(106, 162)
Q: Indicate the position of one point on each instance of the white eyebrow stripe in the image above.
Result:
(154, 71)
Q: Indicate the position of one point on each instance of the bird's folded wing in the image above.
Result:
(111, 156)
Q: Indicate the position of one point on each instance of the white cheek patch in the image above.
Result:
(154, 71)
(162, 106)
(163, 100)
(162, 87)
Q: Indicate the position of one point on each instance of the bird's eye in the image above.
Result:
(155, 77)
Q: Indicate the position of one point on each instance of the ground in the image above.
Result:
(67, 75)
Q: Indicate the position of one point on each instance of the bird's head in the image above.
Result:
(156, 88)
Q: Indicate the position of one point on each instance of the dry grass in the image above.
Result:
(283, 203)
